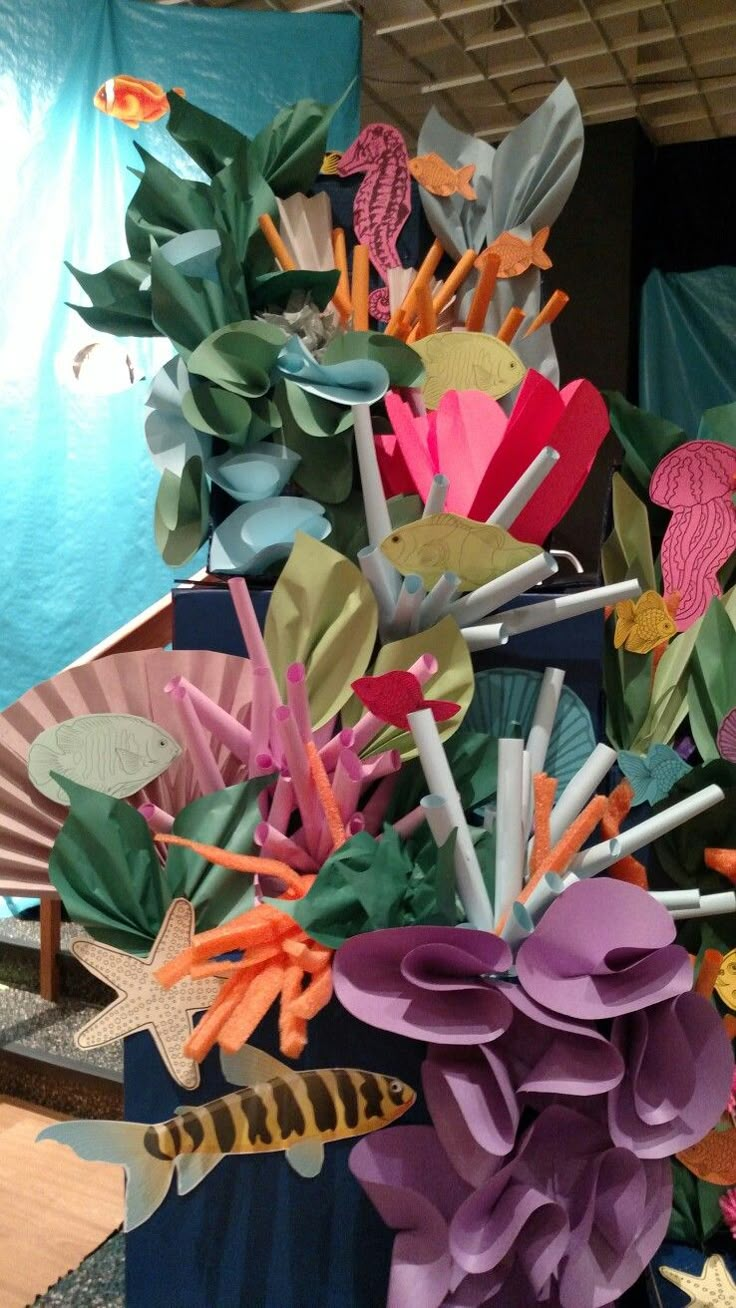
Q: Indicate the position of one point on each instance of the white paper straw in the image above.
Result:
(579, 789)
(530, 617)
(527, 804)
(517, 926)
(383, 579)
(489, 636)
(437, 495)
(710, 906)
(374, 499)
(408, 605)
(599, 857)
(509, 825)
(506, 513)
(546, 890)
(543, 721)
(470, 884)
(677, 898)
(438, 600)
(486, 599)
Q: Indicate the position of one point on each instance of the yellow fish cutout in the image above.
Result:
(444, 542)
(330, 162)
(467, 361)
(726, 980)
(643, 625)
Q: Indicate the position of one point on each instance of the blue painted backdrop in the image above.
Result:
(76, 485)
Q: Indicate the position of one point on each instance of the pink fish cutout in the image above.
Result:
(696, 481)
(392, 695)
(383, 202)
(469, 438)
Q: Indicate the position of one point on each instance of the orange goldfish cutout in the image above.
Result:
(516, 254)
(132, 100)
(440, 178)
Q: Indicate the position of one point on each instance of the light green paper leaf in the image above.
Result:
(668, 700)
(323, 614)
(403, 365)
(311, 413)
(239, 357)
(632, 529)
(719, 424)
(182, 512)
(712, 684)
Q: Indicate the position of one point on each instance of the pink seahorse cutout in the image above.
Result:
(697, 482)
(383, 202)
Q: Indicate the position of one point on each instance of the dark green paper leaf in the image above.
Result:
(209, 141)
(645, 438)
(272, 290)
(164, 206)
(289, 151)
(680, 852)
(118, 305)
(403, 365)
(182, 512)
(712, 684)
(186, 309)
(221, 413)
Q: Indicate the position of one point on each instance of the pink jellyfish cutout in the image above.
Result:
(696, 481)
(726, 738)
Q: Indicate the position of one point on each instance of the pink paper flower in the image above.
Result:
(727, 1204)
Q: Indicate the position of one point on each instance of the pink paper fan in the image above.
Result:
(726, 738)
(121, 683)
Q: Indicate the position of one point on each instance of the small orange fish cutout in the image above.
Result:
(132, 100)
(437, 177)
(642, 626)
(516, 254)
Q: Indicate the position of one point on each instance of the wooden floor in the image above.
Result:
(54, 1208)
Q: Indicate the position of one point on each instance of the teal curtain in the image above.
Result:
(687, 344)
(76, 485)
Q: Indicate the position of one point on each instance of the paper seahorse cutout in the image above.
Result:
(383, 202)
(697, 482)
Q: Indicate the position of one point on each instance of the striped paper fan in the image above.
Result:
(505, 696)
(120, 683)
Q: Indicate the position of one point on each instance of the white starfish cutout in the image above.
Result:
(142, 1003)
(714, 1288)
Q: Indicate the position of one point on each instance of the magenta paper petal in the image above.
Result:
(473, 1106)
(679, 1073)
(469, 429)
(602, 949)
(536, 412)
(551, 1056)
(412, 435)
(421, 982)
(395, 475)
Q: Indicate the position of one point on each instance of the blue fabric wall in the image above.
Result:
(76, 485)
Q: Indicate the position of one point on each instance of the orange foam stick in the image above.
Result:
(452, 283)
(510, 325)
(425, 308)
(476, 318)
(326, 796)
(248, 931)
(723, 861)
(278, 248)
(359, 290)
(619, 805)
(729, 1023)
(176, 969)
(341, 298)
(225, 1002)
(396, 323)
(710, 966)
(545, 789)
(576, 835)
(316, 996)
(549, 311)
(292, 1029)
(425, 273)
(267, 867)
(263, 989)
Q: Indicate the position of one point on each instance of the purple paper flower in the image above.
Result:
(425, 982)
(679, 1070)
(551, 1056)
(603, 948)
(474, 1107)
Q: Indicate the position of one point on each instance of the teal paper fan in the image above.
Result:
(504, 702)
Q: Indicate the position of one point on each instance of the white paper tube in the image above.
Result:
(517, 926)
(383, 579)
(506, 513)
(489, 817)
(509, 825)
(439, 598)
(599, 857)
(579, 789)
(710, 906)
(470, 885)
(438, 819)
(677, 898)
(530, 617)
(543, 721)
(486, 599)
(376, 510)
(544, 893)
(487, 637)
(437, 495)
(408, 605)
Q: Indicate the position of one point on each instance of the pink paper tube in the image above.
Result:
(375, 809)
(407, 825)
(301, 777)
(356, 824)
(264, 763)
(298, 700)
(331, 752)
(260, 722)
(282, 803)
(382, 765)
(347, 783)
(369, 725)
(274, 844)
(252, 634)
(203, 760)
(322, 734)
(215, 719)
(157, 818)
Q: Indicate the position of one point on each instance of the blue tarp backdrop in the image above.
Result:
(77, 486)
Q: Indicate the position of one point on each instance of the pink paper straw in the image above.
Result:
(369, 725)
(252, 634)
(322, 734)
(375, 809)
(203, 760)
(382, 765)
(282, 803)
(264, 763)
(274, 844)
(356, 824)
(301, 777)
(347, 783)
(410, 822)
(215, 719)
(298, 699)
(260, 723)
(157, 818)
(330, 752)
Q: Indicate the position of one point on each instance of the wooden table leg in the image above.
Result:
(50, 944)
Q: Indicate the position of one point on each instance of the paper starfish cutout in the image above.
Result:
(392, 695)
(142, 1003)
(714, 1288)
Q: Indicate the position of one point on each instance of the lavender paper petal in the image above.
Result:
(508, 1215)
(473, 1106)
(645, 1041)
(445, 965)
(552, 1056)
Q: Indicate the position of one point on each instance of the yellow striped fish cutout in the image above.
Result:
(277, 1109)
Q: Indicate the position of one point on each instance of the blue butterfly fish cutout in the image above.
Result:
(654, 774)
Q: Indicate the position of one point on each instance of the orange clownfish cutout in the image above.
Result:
(132, 100)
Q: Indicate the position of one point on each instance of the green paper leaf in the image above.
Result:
(453, 681)
(696, 1214)
(209, 141)
(349, 531)
(227, 818)
(719, 424)
(323, 614)
(221, 413)
(239, 357)
(118, 305)
(628, 681)
(645, 438)
(289, 151)
(326, 469)
(680, 852)
(164, 206)
(240, 195)
(403, 365)
(668, 704)
(631, 524)
(182, 512)
(104, 866)
(186, 309)
(312, 414)
(712, 684)
(272, 290)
